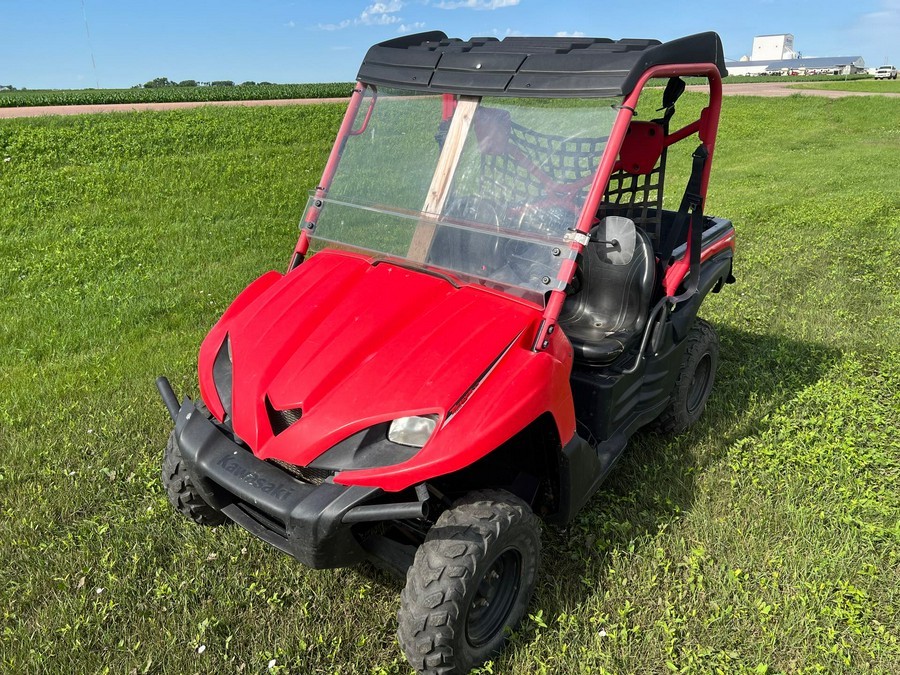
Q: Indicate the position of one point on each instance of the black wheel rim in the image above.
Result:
(699, 388)
(494, 598)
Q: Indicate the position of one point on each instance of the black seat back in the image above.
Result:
(612, 292)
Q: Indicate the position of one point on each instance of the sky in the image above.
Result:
(71, 44)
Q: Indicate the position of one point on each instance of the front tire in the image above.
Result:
(471, 580)
(695, 380)
(179, 486)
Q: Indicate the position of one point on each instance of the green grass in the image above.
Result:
(764, 79)
(255, 92)
(867, 86)
(765, 540)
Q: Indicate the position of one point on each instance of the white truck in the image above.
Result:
(886, 73)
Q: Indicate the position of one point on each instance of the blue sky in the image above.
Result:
(45, 44)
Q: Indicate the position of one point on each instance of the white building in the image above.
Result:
(773, 48)
(775, 55)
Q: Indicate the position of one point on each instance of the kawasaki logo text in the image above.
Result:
(280, 491)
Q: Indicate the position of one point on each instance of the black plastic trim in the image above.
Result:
(529, 66)
(714, 272)
(300, 519)
(582, 470)
(366, 449)
(223, 375)
(714, 229)
(611, 404)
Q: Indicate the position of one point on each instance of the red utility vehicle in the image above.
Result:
(497, 302)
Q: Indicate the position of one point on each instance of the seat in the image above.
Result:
(612, 290)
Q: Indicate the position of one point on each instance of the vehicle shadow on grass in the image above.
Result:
(654, 483)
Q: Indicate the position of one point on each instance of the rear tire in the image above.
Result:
(695, 381)
(471, 580)
(180, 488)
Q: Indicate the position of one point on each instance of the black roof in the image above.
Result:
(529, 66)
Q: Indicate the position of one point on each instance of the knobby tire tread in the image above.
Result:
(180, 488)
(433, 603)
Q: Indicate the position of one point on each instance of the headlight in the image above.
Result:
(222, 376)
(412, 431)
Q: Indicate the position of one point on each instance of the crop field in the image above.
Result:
(256, 92)
(765, 540)
(268, 92)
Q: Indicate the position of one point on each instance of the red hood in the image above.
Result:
(354, 344)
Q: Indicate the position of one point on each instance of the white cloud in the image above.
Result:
(563, 33)
(476, 4)
(376, 14)
(409, 28)
(887, 18)
(335, 26)
(290, 24)
(509, 32)
(381, 13)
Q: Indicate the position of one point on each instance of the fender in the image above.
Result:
(523, 385)
(714, 273)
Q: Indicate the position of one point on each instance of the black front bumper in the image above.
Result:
(301, 519)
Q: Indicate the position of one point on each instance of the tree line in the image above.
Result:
(161, 82)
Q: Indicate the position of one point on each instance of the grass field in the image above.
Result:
(256, 92)
(764, 79)
(766, 540)
(867, 86)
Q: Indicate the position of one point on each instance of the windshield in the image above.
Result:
(484, 188)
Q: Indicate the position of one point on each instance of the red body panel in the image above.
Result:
(355, 344)
(524, 385)
(213, 341)
(676, 273)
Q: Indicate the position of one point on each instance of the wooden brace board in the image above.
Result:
(443, 177)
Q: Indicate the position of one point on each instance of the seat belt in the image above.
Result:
(673, 91)
(688, 223)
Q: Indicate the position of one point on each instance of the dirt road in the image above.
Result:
(754, 89)
(37, 111)
(775, 89)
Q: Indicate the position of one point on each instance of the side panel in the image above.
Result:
(616, 406)
(714, 273)
(581, 472)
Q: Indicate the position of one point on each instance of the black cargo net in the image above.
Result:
(538, 169)
(637, 196)
(556, 172)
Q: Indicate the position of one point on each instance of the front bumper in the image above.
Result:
(301, 519)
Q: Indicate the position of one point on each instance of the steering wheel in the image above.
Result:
(471, 244)
(546, 218)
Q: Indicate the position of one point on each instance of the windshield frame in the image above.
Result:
(541, 221)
